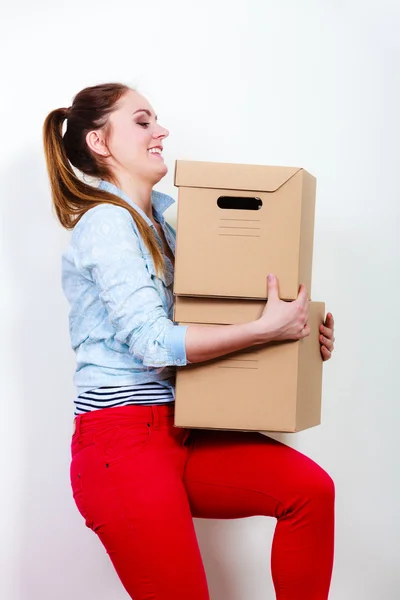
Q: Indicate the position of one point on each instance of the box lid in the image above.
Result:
(230, 176)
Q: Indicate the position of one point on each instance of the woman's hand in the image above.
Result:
(327, 337)
(284, 320)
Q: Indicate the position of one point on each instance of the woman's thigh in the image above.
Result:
(132, 496)
(238, 474)
(232, 475)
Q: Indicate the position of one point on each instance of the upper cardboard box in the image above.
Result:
(237, 223)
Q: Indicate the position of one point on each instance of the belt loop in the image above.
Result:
(156, 416)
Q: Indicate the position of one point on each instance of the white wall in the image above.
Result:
(311, 83)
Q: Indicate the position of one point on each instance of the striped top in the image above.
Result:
(110, 396)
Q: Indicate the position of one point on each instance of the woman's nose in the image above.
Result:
(161, 132)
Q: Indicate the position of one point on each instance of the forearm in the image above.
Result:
(205, 342)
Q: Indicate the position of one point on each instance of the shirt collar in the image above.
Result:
(159, 200)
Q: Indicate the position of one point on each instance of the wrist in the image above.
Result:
(262, 332)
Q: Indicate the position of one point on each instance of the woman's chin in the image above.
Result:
(161, 171)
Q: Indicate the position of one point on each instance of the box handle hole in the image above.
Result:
(239, 203)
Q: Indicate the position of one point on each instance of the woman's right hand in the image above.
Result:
(284, 320)
(280, 321)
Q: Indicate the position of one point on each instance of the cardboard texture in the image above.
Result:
(276, 387)
(237, 223)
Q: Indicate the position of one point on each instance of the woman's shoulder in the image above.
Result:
(104, 220)
(102, 212)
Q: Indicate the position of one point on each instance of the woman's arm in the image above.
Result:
(107, 252)
(279, 321)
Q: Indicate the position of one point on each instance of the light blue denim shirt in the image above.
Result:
(120, 319)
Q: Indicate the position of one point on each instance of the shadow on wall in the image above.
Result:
(60, 558)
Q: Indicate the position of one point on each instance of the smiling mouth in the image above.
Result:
(155, 152)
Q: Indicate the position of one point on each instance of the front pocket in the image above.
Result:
(124, 442)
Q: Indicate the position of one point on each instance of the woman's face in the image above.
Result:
(135, 140)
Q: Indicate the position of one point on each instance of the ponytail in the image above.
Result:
(73, 197)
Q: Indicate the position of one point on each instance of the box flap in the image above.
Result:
(227, 311)
(216, 311)
(230, 176)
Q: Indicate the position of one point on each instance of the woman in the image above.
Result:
(136, 479)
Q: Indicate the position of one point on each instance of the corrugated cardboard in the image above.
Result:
(270, 230)
(276, 387)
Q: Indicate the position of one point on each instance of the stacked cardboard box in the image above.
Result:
(236, 224)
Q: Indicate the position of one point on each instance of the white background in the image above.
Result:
(313, 84)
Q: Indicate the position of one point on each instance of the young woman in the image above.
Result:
(136, 479)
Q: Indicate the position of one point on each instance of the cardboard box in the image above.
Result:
(245, 221)
(276, 387)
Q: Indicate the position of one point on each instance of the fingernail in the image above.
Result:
(270, 277)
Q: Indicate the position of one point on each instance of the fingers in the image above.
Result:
(306, 331)
(303, 305)
(303, 293)
(302, 297)
(273, 287)
(327, 332)
(328, 343)
(307, 309)
(329, 321)
(325, 353)
(328, 336)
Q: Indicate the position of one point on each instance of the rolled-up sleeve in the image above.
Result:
(108, 253)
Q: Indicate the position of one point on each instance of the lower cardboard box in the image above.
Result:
(276, 387)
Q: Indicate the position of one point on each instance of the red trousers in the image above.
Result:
(138, 481)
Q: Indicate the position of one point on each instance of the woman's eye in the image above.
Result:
(144, 124)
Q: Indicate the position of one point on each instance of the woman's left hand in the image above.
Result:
(327, 337)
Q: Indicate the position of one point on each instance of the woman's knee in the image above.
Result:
(319, 485)
(325, 484)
